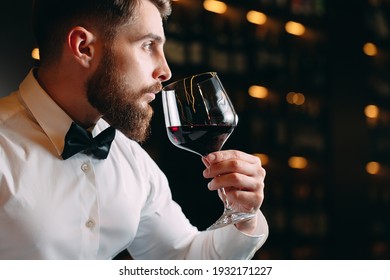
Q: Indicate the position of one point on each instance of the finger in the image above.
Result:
(231, 154)
(231, 161)
(205, 161)
(236, 181)
(243, 200)
(253, 168)
(233, 166)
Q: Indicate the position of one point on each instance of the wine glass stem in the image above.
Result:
(227, 204)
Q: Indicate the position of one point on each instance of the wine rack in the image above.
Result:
(310, 210)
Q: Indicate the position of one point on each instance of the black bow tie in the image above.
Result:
(78, 139)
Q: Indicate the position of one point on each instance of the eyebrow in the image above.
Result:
(152, 36)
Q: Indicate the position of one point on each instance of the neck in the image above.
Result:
(67, 89)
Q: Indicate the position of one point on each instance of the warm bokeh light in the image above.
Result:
(215, 6)
(295, 28)
(295, 98)
(371, 111)
(258, 91)
(35, 53)
(373, 167)
(256, 17)
(297, 162)
(370, 49)
(263, 158)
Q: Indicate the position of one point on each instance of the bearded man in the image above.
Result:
(74, 181)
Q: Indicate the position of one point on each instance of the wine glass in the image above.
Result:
(199, 117)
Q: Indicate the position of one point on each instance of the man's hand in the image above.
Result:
(242, 177)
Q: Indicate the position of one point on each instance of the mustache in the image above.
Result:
(157, 87)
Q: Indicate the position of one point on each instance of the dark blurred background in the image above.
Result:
(314, 107)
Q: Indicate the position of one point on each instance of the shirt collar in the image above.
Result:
(51, 118)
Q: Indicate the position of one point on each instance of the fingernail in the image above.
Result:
(211, 157)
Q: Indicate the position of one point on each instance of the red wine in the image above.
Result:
(201, 139)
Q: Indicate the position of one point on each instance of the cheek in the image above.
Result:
(134, 65)
(134, 70)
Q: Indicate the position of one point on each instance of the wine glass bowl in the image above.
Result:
(198, 114)
(199, 118)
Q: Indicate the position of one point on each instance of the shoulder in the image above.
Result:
(13, 118)
(10, 106)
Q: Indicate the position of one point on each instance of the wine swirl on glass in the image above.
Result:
(199, 118)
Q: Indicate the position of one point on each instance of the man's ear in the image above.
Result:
(81, 44)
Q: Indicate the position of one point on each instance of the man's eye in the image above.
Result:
(148, 45)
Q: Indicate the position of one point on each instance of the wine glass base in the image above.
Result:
(231, 217)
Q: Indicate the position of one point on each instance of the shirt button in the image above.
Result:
(90, 224)
(85, 167)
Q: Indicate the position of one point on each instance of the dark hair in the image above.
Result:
(52, 19)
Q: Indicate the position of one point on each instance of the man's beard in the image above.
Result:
(119, 104)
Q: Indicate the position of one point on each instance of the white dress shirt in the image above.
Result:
(86, 208)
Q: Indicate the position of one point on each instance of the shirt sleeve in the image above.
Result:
(228, 243)
(165, 233)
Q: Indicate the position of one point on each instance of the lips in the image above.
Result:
(151, 96)
(150, 93)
